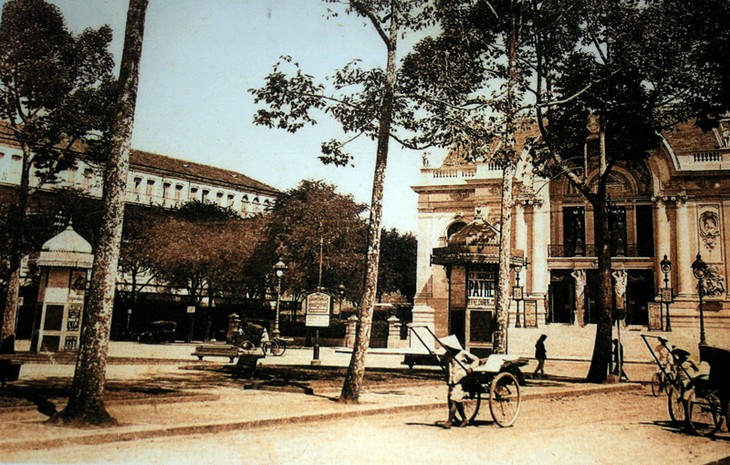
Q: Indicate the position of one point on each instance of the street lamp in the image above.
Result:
(667, 292)
(341, 293)
(279, 270)
(517, 294)
(699, 268)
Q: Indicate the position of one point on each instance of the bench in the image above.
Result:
(9, 371)
(216, 351)
(420, 359)
(246, 365)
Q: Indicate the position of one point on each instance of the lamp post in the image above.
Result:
(699, 269)
(517, 294)
(667, 292)
(279, 270)
(341, 294)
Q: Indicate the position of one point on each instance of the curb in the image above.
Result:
(119, 436)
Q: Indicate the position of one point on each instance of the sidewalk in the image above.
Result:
(226, 405)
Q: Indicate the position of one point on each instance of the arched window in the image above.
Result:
(454, 228)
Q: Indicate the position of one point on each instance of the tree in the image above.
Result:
(474, 82)
(86, 402)
(204, 249)
(371, 111)
(135, 254)
(398, 257)
(635, 67)
(320, 234)
(617, 75)
(55, 92)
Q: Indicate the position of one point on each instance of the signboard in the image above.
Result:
(655, 316)
(530, 313)
(318, 310)
(480, 288)
(191, 308)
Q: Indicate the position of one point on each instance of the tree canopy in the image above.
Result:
(56, 91)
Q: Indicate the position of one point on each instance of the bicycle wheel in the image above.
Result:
(504, 399)
(471, 407)
(656, 384)
(278, 348)
(703, 414)
(675, 402)
(246, 344)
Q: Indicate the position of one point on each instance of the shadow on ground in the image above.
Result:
(47, 394)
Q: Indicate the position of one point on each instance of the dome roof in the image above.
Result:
(67, 241)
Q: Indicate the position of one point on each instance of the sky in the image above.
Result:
(200, 58)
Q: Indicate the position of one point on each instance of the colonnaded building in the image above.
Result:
(676, 204)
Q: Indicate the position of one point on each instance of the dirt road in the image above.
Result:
(618, 428)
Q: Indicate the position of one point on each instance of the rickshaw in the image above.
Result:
(699, 400)
(497, 376)
(706, 397)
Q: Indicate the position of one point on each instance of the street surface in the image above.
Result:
(618, 428)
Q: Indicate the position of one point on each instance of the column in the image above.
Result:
(663, 242)
(663, 231)
(540, 241)
(520, 227)
(684, 254)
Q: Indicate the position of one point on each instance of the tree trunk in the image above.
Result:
(356, 370)
(504, 294)
(505, 244)
(86, 403)
(601, 359)
(598, 371)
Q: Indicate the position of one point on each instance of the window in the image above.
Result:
(206, 194)
(178, 192)
(244, 205)
(150, 187)
(137, 185)
(230, 200)
(193, 193)
(166, 190)
(645, 230)
(617, 226)
(574, 234)
(454, 228)
(219, 198)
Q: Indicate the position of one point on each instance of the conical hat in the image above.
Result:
(452, 342)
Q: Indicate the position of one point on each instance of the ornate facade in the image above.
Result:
(674, 204)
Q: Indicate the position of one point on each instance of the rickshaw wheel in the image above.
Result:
(246, 344)
(504, 399)
(676, 404)
(471, 407)
(703, 414)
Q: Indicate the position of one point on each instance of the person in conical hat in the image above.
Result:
(460, 364)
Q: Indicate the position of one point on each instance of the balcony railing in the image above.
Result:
(589, 250)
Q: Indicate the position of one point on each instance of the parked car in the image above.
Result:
(158, 332)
